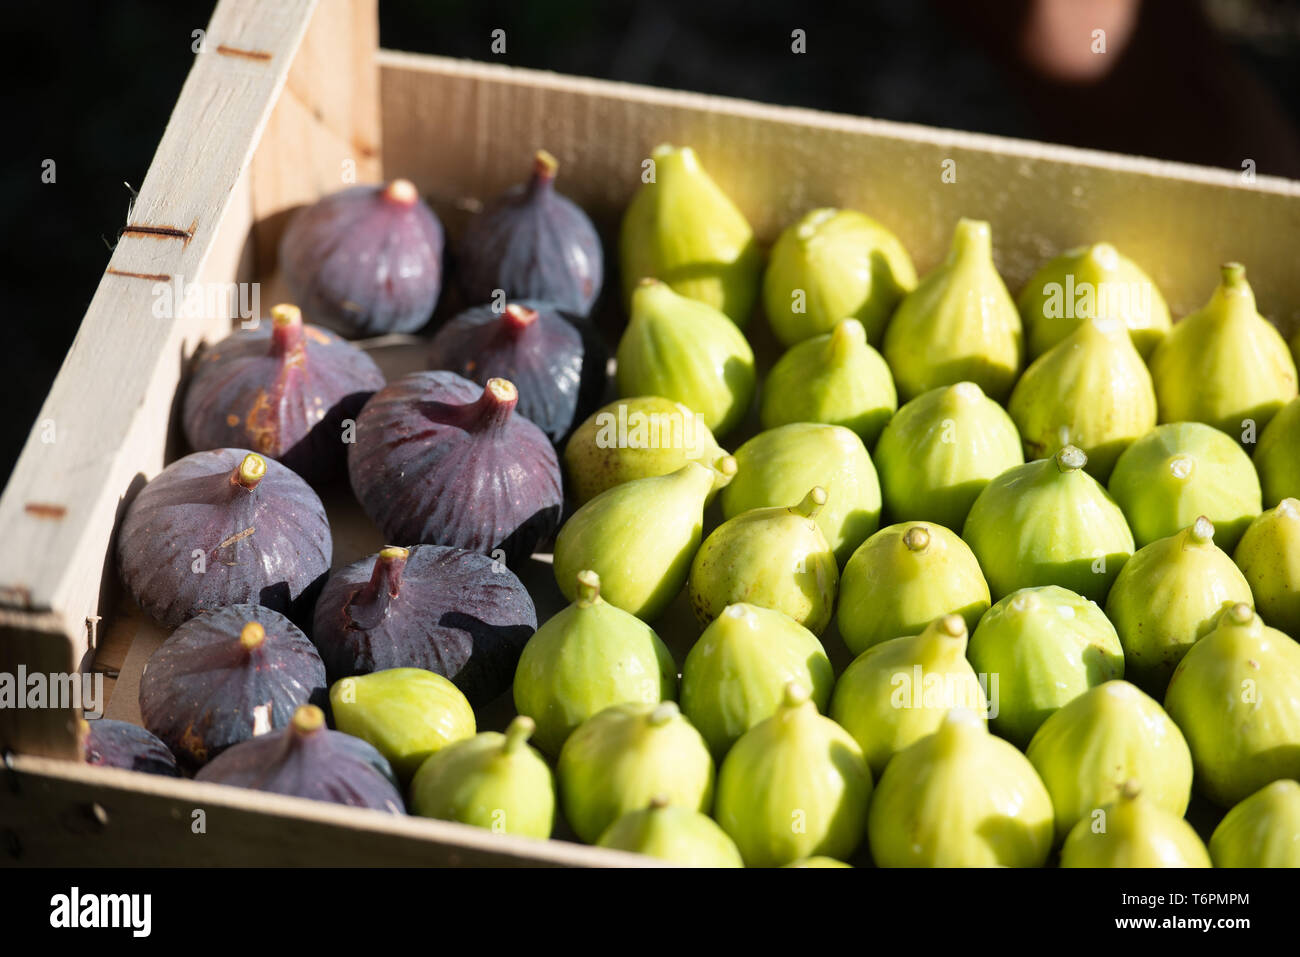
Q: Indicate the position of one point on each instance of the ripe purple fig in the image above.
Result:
(366, 260)
(220, 528)
(285, 394)
(121, 744)
(556, 361)
(227, 676)
(306, 759)
(451, 611)
(439, 460)
(532, 243)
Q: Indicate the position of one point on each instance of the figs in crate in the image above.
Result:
(532, 242)
(1261, 831)
(1269, 558)
(285, 394)
(454, 612)
(227, 676)
(306, 759)
(120, 744)
(366, 260)
(1277, 456)
(680, 835)
(556, 362)
(220, 528)
(1133, 832)
(440, 460)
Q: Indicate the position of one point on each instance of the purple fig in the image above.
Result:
(220, 528)
(366, 260)
(447, 610)
(285, 394)
(121, 744)
(556, 361)
(306, 759)
(532, 243)
(439, 460)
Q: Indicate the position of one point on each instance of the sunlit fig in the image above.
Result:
(677, 834)
(1277, 456)
(1261, 831)
(1134, 831)
(1269, 558)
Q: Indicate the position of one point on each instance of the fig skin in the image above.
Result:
(1269, 558)
(284, 393)
(683, 229)
(366, 260)
(780, 465)
(960, 798)
(1136, 833)
(1172, 475)
(735, 675)
(1110, 734)
(677, 834)
(1046, 646)
(532, 242)
(794, 766)
(1048, 522)
(845, 264)
(777, 558)
(1236, 698)
(904, 577)
(1261, 831)
(634, 438)
(888, 699)
(1103, 268)
(495, 781)
(555, 360)
(835, 378)
(120, 744)
(1277, 456)
(818, 862)
(440, 460)
(225, 677)
(589, 656)
(454, 612)
(939, 451)
(260, 530)
(625, 756)
(406, 713)
(306, 759)
(1166, 597)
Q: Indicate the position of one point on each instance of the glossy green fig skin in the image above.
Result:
(779, 466)
(1133, 832)
(1045, 646)
(1261, 831)
(1269, 558)
(818, 861)
(831, 264)
(676, 834)
(1166, 597)
(1277, 456)
(1177, 472)
(939, 451)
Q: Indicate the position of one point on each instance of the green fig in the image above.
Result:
(642, 563)
(960, 797)
(904, 577)
(1112, 733)
(1236, 698)
(677, 834)
(1048, 522)
(1261, 831)
(1091, 282)
(636, 438)
(795, 785)
(834, 263)
(778, 466)
(1269, 556)
(1134, 831)
(686, 351)
(1225, 365)
(1091, 389)
(1183, 470)
(736, 674)
(491, 780)
(1277, 456)
(960, 324)
(587, 657)
(1166, 597)
(817, 861)
(628, 754)
(835, 378)
(939, 451)
(775, 558)
(897, 692)
(406, 713)
(1043, 647)
(682, 228)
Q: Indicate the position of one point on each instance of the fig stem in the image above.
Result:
(1071, 459)
(251, 471)
(795, 695)
(385, 578)
(517, 318)
(1104, 255)
(953, 626)
(1241, 613)
(287, 338)
(1233, 275)
(917, 538)
(252, 636)
(308, 719)
(1130, 789)
(971, 240)
(663, 713)
(1202, 531)
(659, 802)
(848, 334)
(812, 503)
(588, 587)
(401, 192)
(497, 403)
(545, 168)
(518, 732)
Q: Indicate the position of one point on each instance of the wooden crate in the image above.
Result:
(282, 101)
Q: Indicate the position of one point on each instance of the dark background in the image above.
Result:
(93, 83)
